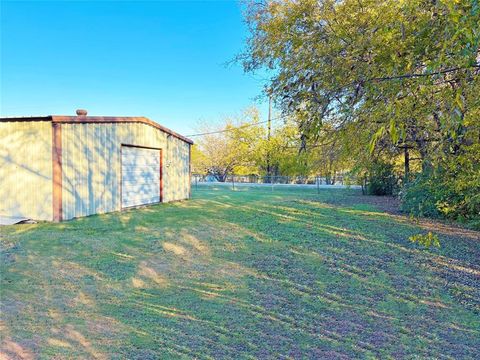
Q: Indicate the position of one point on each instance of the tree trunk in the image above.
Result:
(407, 164)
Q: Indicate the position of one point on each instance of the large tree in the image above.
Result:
(391, 79)
(406, 69)
(229, 145)
(243, 146)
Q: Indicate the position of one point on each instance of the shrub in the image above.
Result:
(381, 179)
(420, 197)
(451, 191)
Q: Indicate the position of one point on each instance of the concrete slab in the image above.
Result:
(10, 220)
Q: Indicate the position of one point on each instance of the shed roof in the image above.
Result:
(97, 120)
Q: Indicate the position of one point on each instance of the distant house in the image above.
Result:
(62, 167)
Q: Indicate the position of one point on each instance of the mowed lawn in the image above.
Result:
(241, 274)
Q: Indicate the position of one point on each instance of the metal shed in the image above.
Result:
(61, 167)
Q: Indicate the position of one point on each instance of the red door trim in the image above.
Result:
(161, 175)
(189, 171)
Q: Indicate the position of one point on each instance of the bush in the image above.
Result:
(451, 191)
(420, 197)
(381, 179)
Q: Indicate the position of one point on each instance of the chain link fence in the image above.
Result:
(233, 181)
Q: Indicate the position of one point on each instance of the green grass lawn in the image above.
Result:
(241, 274)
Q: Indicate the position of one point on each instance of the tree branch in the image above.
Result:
(409, 76)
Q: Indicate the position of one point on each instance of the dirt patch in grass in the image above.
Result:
(391, 205)
(386, 204)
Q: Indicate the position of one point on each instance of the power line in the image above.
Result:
(238, 127)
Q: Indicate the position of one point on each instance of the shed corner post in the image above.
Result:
(189, 171)
(161, 176)
(57, 171)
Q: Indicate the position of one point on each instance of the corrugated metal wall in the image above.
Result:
(91, 165)
(26, 169)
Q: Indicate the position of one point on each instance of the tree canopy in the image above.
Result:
(243, 145)
(389, 81)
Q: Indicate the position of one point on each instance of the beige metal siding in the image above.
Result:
(26, 169)
(92, 165)
(177, 179)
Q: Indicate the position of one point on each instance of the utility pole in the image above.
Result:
(269, 129)
(269, 115)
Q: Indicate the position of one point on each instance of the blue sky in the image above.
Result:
(163, 60)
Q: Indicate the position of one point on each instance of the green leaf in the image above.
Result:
(375, 138)
(393, 131)
(427, 240)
